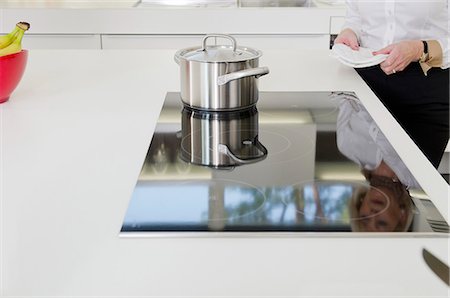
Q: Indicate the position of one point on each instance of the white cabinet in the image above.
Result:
(261, 41)
(264, 28)
(62, 41)
(284, 42)
(171, 42)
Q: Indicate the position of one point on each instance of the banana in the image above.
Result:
(7, 39)
(15, 46)
(23, 25)
(14, 43)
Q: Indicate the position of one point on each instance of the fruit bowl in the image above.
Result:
(12, 68)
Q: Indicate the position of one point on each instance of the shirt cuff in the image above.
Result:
(434, 56)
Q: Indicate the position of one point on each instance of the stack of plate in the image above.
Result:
(356, 59)
(331, 2)
(189, 3)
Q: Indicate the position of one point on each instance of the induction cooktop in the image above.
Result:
(273, 169)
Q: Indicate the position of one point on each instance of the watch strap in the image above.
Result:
(424, 56)
(425, 47)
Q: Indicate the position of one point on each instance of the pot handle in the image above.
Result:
(226, 150)
(229, 37)
(252, 72)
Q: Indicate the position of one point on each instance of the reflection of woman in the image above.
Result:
(360, 139)
(384, 207)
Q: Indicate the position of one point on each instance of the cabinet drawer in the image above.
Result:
(61, 41)
(174, 42)
(281, 42)
(171, 42)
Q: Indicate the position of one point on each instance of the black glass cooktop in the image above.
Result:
(276, 167)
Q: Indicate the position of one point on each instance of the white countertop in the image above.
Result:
(94, 4)
(73, 139)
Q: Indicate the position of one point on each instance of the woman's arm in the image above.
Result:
(352, 27)
(402, 53)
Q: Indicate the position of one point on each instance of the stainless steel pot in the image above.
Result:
(219, 77)
(221, 140)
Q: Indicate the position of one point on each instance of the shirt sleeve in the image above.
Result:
(352, 135)
(353, 18)
(444, 42)
(360, 140)
(393, 160)
(435, 56)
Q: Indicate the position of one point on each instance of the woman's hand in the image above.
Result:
(401, 54)
(348, 37)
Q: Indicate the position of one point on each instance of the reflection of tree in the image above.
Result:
(318, 203)
(333, 200)
(314, 203)
(260, 208)
(299, 203)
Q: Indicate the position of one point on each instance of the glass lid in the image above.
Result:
(219, 53)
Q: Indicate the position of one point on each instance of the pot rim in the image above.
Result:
(181, 54)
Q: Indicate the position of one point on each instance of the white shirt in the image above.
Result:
(379, 23)
(360, 140)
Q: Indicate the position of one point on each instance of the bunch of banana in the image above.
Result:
(11, 43)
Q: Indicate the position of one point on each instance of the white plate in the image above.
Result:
(360, 65)
(361, 56)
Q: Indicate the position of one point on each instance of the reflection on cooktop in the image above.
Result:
(282, 171)
(228, 205)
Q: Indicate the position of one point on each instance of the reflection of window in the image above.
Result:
(167, 204)
(203, 201)
(245, 205)
(324, 203)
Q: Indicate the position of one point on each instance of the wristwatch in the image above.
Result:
(424, 56)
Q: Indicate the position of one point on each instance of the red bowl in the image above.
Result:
(12, 68)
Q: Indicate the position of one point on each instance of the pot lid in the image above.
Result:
(219, 53)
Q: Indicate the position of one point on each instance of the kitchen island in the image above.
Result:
(73, 139)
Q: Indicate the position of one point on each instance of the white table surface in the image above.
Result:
(119, 3)
(68, 4)
(73, 139)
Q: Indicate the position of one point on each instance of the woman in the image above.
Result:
(413, 82)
